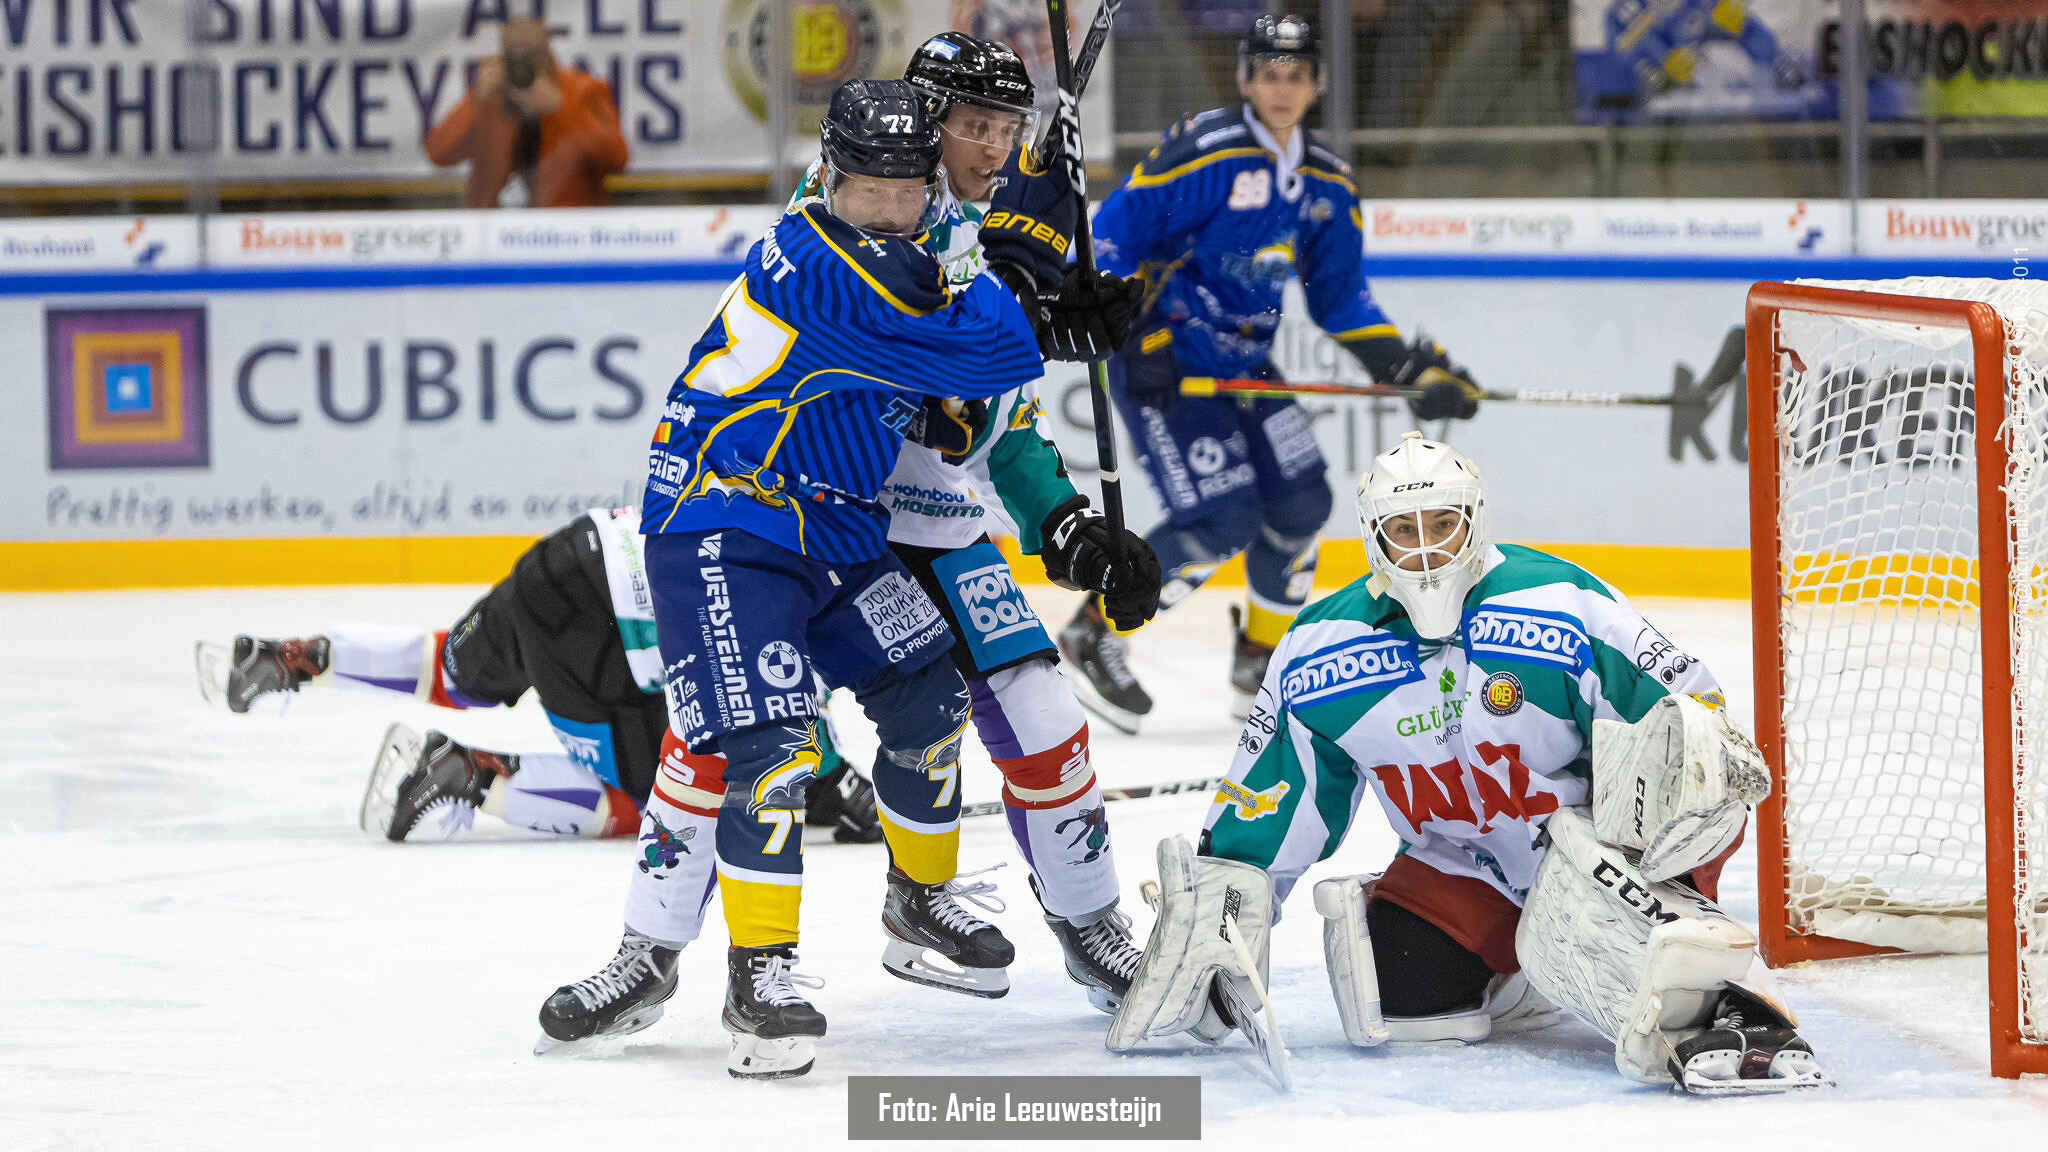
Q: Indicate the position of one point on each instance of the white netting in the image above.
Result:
(1883, 705)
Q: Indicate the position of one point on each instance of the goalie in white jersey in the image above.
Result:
(1565, 785)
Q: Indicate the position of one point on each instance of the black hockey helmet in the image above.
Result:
(954, 67)
(879, 128)
(1279, 36)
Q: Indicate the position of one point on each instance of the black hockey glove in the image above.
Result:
(1447, 391)
(1090, 318)
(1081, 552)
(1031, 219)
(947, 426)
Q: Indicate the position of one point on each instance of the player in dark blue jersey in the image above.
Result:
(1216, 219)
(767, 555)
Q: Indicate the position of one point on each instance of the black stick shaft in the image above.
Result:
(1098, 371)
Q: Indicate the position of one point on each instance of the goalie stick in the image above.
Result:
(1136, 792)
(1253, 1015)
(1214, 386)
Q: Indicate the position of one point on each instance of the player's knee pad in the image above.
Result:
(1035, 731)
(1301, 511)
(921, 718)
(1224, 526)
(1189, 949)
(1643, 962)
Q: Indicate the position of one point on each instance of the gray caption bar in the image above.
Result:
(1023, 1107)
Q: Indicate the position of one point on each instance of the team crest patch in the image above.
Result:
(1251, 805)
(1501, 694)
(663, 847)
(1093, 832)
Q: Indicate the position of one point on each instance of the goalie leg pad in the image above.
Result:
(1644, 963)
(1188, 948)
(1347, 956)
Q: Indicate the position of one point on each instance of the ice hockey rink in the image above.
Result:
(200, 950)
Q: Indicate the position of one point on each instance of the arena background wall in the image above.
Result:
(399, 398)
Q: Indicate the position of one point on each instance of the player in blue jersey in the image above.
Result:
(767, 554)
(1216, 219)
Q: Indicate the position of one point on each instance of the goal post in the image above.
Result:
(1898, 454)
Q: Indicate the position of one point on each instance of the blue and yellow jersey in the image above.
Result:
(1218, 220)
(793, 407)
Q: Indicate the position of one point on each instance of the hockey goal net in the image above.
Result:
(1899, 550)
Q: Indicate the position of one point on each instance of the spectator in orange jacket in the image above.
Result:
(535, 134)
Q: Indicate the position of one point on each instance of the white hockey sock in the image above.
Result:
(552, 793)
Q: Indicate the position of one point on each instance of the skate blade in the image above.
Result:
(1790, 1072)
(396, 754)
(211, 662)
(759, 1058)
(625, 1026)
(907, 961)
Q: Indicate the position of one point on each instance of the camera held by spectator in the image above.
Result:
(534, 133)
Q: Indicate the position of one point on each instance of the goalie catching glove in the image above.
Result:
(1081, 552)
(1675, 786)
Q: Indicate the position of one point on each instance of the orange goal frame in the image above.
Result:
(2010, 1055)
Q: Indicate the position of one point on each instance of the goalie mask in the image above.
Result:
(1422, 509)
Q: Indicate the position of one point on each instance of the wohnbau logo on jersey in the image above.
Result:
(1529, 636)
(1353, 666)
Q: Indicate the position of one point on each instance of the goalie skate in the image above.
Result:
(1734, 1057)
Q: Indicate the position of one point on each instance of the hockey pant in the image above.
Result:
(1234, 476)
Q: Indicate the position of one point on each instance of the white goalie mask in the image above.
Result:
(1422, 510)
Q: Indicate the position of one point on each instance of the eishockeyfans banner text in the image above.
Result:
(104, 90)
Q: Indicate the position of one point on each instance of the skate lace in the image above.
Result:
(615, 979)
(1110, 650)
(776, 981)
(1109, 941)
(946, 907)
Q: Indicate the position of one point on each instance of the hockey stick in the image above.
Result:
(1137, 792)
(1091, 44)
(1098, 370)
(1213, 386)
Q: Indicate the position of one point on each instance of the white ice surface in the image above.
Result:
(199, 950)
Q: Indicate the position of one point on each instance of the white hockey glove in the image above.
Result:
(1676, 785)
(1189, 949)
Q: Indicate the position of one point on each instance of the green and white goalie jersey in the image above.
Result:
(1469, 743)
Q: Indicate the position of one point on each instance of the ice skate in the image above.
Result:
(445, 780)
(1099, 953)
(254, 667)
(625, 996)
(1248, 660)
(935, 940)
(1105, 683)
(1735, 1056)
(845, 803)
(774, 1029)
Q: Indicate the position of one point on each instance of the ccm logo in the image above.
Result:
(1414, 486)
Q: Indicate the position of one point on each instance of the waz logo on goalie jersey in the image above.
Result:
(1353, 666)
